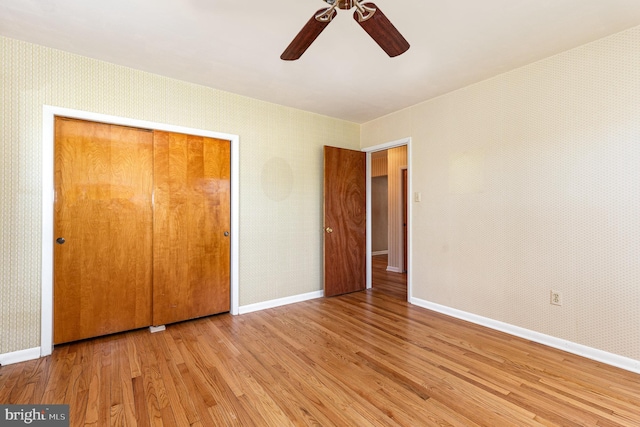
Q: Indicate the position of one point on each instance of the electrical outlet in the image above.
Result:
(556, 297)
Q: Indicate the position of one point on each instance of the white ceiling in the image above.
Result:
(236, 45)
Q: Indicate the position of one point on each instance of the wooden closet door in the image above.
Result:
(191, 250)
(103, 211)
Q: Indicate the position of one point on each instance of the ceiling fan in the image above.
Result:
(368, 15)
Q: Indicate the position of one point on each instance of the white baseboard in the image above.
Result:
(380, 253)
(244, 309)
(19, 356)
(394, 269)
(548, 340)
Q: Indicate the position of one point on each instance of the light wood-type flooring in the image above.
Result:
(362, 359)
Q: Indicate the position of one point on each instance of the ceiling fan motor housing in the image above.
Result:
(342, 4)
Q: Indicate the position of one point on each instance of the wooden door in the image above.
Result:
(345, 218)
(103, 211)
(191, 250)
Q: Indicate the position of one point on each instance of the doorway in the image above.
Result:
(386, 267)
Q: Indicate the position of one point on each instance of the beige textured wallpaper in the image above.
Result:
(280, 171)
(530, 181)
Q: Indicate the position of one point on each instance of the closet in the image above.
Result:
(141, 222)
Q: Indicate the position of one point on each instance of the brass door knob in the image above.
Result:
(328, 230)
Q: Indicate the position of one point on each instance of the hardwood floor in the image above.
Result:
(392, 284)
(366, 358)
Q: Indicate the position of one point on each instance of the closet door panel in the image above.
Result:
(103, 225)
(191, 250)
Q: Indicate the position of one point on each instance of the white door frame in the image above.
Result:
(400, 169)
(48, 194)
(382, 147)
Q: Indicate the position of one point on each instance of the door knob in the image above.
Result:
(329, 230)
(226, 234)
(60, 240)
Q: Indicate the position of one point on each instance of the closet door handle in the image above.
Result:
(60, 240)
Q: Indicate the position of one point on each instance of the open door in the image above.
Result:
(345, 219)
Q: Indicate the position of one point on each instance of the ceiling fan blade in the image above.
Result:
(308, 34)
(374, 22)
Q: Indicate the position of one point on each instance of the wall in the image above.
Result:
(379, 163)
(379, 202)
(397, 159)
(280, 171)
(530, 182)
(379, 214)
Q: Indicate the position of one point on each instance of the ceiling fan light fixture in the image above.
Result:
(368, 15)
